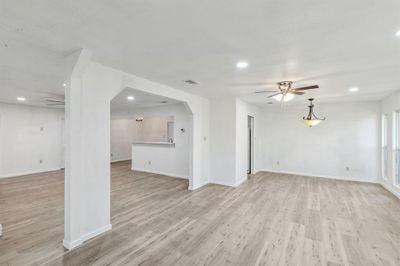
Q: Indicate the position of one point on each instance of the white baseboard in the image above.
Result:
(390, 189)
(240, 182)
(76, 243)
(121, 160)
(159, 173)
(221, 183)
(322, 176)
(227, 184)
(29, 172)
(71, 245)
(192, 188)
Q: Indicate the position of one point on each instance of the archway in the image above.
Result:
(159, 128)
(155, 130)
(89, 92)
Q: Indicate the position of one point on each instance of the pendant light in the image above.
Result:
(312, 120)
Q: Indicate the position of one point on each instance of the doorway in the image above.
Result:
(152, 132)
(250, 145)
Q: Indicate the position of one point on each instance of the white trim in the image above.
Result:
(222, 183)
(229, 184)
(121, 160)
(72, 245)
(29, 172)
(322, 176)
(390, 189)
(192, 188)
(159, 173)
(79, 241)
(241, 181)
(96, 232)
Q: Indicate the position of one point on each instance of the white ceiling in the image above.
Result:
(142, 99)
(336, 44)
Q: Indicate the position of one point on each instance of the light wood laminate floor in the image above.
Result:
(272, 219)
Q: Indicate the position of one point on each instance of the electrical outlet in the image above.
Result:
(277, 163)
(149, 162)
(347, 168)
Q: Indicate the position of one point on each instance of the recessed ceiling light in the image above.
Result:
(353, 89)
(21, 99)
(65, 84)
(398, 33)
(130, 98)
(242, 64)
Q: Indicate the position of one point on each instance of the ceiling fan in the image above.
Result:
(285, 91)
(55, 102)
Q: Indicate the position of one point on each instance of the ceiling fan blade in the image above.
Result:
(274, 95)
(264, 91)
(297, 92)
(54, 101)
(306, 88)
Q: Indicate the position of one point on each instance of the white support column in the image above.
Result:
(87, 175)
(73, 164)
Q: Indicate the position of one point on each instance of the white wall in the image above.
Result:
(122, 135)
(29, 135)
(348, 138)
(243, 110)
(222, 141)
(169, 160)
(389, 105)
(229, 140)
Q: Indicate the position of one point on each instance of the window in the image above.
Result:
(384, 150)
(396, 146)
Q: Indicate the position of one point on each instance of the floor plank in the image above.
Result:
(272, 219)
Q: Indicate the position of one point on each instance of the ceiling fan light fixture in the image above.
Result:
(286, 98)
(312, 122)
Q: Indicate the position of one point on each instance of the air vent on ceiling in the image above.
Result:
(191, 82)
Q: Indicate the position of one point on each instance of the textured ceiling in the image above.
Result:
(142, 99)
(336, 44)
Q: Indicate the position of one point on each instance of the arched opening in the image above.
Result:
(150, 152)
(88, 120)
(154, 133)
